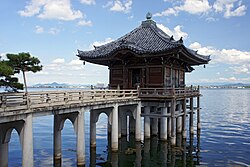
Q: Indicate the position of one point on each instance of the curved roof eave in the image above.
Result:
(195, 57)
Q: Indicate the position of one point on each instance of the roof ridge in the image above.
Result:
(159, 33)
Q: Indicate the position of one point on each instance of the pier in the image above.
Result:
(165, 112)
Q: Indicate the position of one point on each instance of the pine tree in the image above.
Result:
(6, 79)
(24, 62)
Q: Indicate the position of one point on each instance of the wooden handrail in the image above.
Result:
(14, 101)
(168, 92)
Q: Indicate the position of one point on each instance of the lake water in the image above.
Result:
(224, 139)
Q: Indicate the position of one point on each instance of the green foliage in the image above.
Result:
(6, 79)
(23, 62)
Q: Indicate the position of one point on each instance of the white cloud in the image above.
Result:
(53, 31)
(59, 9)
(99, 43)
(39, 29)
(177, 32)
(244, 69)
(168, 12)
(119, 6)
(230, 79)
(32, 8)
(195, 6)
(84, 23)
(191, 6)
(59, 61)
(228, 8)
(88, 2)
(72, 72)
(195, 46)
(227, 56)
(76, 62)
(238, 60)
(52, 9)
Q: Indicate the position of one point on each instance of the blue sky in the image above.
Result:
(53, 30)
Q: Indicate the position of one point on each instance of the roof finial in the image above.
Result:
(149, 16)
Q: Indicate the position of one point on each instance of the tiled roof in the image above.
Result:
(145, 39)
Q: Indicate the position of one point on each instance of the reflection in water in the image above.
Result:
(152, 152)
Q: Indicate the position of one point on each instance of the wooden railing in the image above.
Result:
(32, 100)
(168, 92)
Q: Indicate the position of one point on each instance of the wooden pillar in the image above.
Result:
(92, 129)
(57, 140)
(4, 154)
(114, 159)
(184, 130)
(80, 145)
(198, 113)
(154, 124)
(27, 142)
(92, 157)
(131, 125)
(164, 125)
(147, 123)
(114, 133)
(138, 122)
(146, 154)
(169, 123)
(119, 126)
(124, 125)
(173, 126)
(191, 118)
(179, 119)
(138, 156)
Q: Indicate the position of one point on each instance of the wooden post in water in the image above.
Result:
(92, 129)
(57, 140)
(80, 145)
(191, 118)
(119, 125)
(173, 124)
(169, 121)
(114, 133)
(179, 119)
(198, 110)
(138, 122)
(124, 124)
(27, 145)
(184, 130)
(164, 125)
(147, 123)
(154, 124)
(131, 125)
(4, 152)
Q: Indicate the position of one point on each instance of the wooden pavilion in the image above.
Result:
(150, 59)
(145, 57)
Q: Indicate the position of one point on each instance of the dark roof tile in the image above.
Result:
(145, 39)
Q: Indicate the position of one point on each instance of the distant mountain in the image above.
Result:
(235, 85)
(222, 84)
(53, 84)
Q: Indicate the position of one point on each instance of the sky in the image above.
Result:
(53, 30)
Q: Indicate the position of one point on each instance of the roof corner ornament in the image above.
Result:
(181, 40)
(149, 16)
(171, 38)
(94, 46)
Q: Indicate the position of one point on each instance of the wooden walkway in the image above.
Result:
(11, 102)
(14, 103)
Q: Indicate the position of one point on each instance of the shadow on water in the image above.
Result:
(152, 152)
